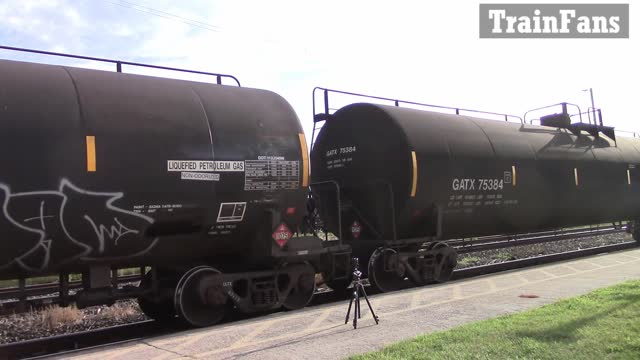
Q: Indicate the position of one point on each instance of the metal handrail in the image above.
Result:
(589, 111)
(119, 63)
(548, 106)
(396, 102)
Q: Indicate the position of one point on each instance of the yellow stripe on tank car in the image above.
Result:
(305, 160)
(628, 177)
(513, 175)
(91, 153)
(575, 174)
(414, 183)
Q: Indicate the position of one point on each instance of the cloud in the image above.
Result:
(422, 51)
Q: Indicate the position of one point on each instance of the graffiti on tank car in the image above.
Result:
(112, 233)
(67, 224)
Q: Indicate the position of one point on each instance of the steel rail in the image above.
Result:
(539, 260)
(561, 231)
(52, 287)
(65, 344)
(38, 296)
(530, 240)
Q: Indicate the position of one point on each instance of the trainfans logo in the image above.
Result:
(554, 20)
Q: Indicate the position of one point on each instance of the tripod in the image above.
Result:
(357, 289)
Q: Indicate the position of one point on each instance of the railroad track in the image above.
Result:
(14, 300)
(507, 241)
(67, 344)
(539, 260)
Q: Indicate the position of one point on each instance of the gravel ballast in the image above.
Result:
(487, 257)
(57, 320)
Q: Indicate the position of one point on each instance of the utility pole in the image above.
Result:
(593, 107)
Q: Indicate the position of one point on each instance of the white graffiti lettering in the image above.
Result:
(57, 233)
(113, 233)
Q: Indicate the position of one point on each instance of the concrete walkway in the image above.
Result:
(319, 333)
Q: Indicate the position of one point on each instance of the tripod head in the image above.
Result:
(356, 271)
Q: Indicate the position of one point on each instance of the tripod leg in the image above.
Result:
(346, 319)
(359, 308)
(375, 317)
(355, 309)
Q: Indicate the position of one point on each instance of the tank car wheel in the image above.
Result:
(385, 272)
(301, 281)
(445, 261)
(159, 309)
(199, 298)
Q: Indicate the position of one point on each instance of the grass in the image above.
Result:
(55, 316)
(465, 261)
(120, 311)
(504, 255)
(604, 324)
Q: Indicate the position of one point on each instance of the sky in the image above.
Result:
(423, 51)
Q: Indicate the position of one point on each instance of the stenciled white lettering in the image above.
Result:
(204, 165)
(466, 184)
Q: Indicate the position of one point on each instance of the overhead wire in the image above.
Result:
(171, 16)
(165, 15)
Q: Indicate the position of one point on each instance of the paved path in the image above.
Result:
(319, 333)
